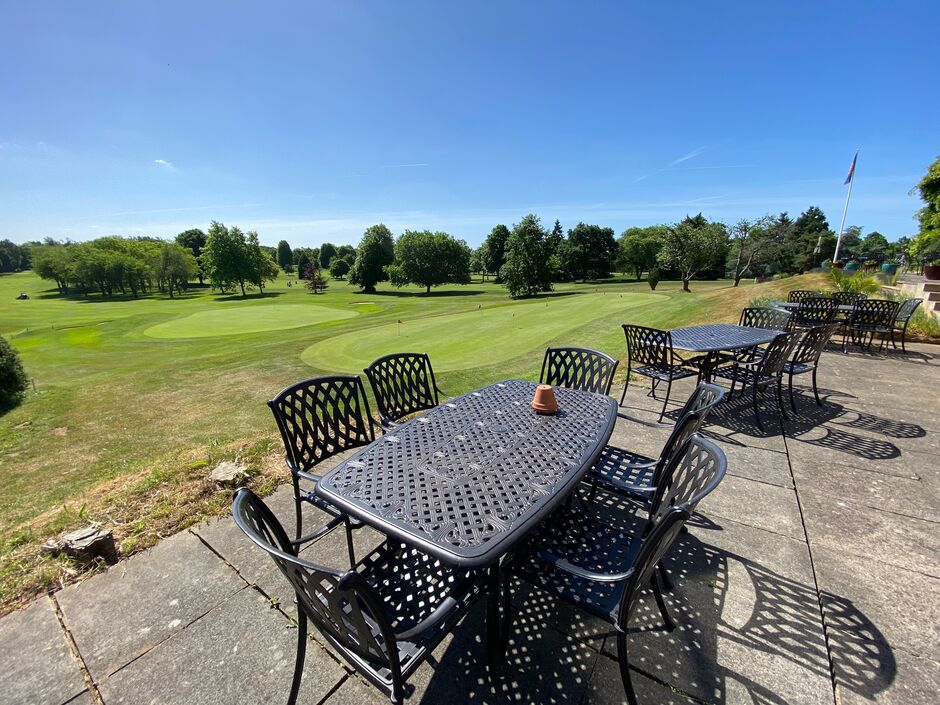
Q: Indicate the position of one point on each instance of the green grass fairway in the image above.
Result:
(136, 400)
(235, 320)
(463, 340)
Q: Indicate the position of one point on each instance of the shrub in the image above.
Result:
(652, 277)
(13, 379)
(855, 284)
(763, 302)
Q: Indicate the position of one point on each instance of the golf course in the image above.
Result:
(134, 401)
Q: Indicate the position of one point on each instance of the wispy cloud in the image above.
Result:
(675, 162)
(164, 164)
(403, 166)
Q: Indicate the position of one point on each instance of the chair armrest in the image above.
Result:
(548, 557)
(322, 531)
(444, 610)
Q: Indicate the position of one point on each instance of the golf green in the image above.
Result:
(473, 338)
(246, 319)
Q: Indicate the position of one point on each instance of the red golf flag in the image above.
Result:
(848, 179)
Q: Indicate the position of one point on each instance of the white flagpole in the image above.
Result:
(835, 255)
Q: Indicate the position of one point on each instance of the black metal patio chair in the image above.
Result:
(762, 372)
(902, 319)
(578, 368)
(814, 311)
(847, 298)
(765, 317)
(869, 318)
(319, 418)
(799, 295)
(637, 476)
(650, 353)
(806, 356)
(403, 384)
(602, 564)
(384, 615)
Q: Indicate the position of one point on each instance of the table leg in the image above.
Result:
(495, 642)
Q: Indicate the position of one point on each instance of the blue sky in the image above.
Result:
(310, 122)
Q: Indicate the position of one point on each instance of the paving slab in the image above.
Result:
(897, 540)
(760, 464)
(36, 664)
(814, 450)
(606, 687)
(756, 504)
(863, 487)
(864, 674)
(118, 615)
(889, 605)
(242, 651)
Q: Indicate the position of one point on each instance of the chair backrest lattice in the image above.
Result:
(815, 311)
(321, 417)
(906, 310)
(848, 298)
(811, 345)
(339, 603)
(403, 384)
(799, 295)
(578, 368)
(873, 313)
(769, 318)
(776, 355)
(648, 346)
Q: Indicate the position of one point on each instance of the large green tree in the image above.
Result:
(285, 256)
(638, 247)
(753, 244)
(493, 251)
(375, 252)
(13, 379)
(173, 266)
(808, 242)
(587, 253)
(327, 252)
(527, 269)
(927, 242)
(194, 240)
(693, 245)
(429, 259)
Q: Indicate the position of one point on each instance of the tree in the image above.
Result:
(347, 252)
(327, 252)
(13, 379)
(527, 270)
(375, 252)
(807, 242)
(285, 257)
(875, 243)
(693, 245)
(553, 246)
(752, 244)
(222, 257)
(194, 240)
(476, 262)
(587, 253)
(260, 266)
(173, 267)
(339, 268)
(315, 281)
(927, 242)
(637, 249)
(493, 251)
(13, 257)
(430, 259)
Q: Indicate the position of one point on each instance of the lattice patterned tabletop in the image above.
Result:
(469, 478)
(720, 336)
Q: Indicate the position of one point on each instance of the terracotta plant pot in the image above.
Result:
(932, 271)
(544, 400)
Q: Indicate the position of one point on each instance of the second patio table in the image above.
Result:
(713, 338)
(468, 479)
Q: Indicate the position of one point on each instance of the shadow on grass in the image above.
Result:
(425, 295)
(249, 297)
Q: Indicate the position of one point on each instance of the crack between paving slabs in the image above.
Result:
(76, 654)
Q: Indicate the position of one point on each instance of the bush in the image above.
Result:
(652, 277)
(13, 379)
(855, 284)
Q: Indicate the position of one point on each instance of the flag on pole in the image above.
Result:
(848, 179)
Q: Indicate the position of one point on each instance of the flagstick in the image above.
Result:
(835, 256)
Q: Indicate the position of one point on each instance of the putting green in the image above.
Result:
(463, 340)
(246, 319)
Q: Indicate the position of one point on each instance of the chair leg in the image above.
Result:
(626, 383)
(298, 509)
(493, 653)
(664, 576)
(783, 408)
(666, 402)
(349, 543)
(756, 410)
(815, 388)
(903, 336)
(894, 343)
(622, 659)
(661, 603)
(301, 653)
(790, 385)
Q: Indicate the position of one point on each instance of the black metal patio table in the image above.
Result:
(712, 338)
(469, 479)
(791, 306)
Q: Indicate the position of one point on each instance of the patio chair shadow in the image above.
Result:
(726, 606)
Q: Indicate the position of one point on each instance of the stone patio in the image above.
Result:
(810, 576)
